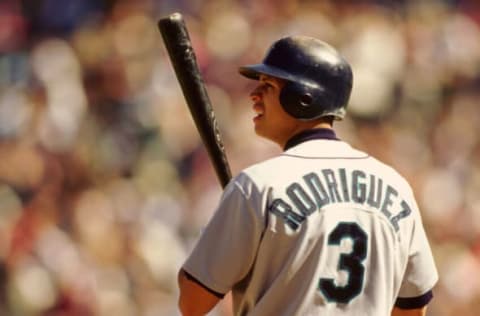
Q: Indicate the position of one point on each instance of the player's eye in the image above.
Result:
(267, 85)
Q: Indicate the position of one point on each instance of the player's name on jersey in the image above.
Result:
(318, 189)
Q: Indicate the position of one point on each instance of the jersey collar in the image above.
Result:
(310, 134)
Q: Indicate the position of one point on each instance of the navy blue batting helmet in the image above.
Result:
(318, 80)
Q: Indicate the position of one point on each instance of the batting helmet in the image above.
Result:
(318, 79)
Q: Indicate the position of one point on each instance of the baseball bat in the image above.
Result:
(182, 56)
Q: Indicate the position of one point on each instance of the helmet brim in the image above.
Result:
(254, 72)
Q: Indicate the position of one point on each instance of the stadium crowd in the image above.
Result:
(105, 184)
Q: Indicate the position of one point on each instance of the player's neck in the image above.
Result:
(304, 126)
(322, 125)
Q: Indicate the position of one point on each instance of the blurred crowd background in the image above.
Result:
(105, 184)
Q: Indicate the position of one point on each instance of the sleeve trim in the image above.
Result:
(193, 279)
(414, 302)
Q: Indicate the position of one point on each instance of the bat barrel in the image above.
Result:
(177, 41)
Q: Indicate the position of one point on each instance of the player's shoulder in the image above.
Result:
(266, 170)
(390, 174)
(284, 166)
(258, 177)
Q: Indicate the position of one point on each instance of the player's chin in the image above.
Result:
(259, 122)
(259, 130)
(262, 131)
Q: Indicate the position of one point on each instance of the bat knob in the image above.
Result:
(173, 18)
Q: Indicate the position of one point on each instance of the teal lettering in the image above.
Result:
(372, 201)
(317, 189)
(359, 189)
(343, 180)
(332, 185)
(387, 202)
(301, 199)
(281, 208)
(406, 211)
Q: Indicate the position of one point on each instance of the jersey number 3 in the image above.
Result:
(350, 262)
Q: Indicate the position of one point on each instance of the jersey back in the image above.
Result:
(338, 233)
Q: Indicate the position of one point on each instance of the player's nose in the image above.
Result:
(256, 94)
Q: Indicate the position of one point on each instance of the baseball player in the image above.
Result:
(321, 229)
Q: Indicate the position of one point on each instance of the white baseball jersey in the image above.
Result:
(322, 229)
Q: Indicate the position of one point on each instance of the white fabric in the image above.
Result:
(287, 227)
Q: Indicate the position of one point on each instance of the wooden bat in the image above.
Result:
(182, 56)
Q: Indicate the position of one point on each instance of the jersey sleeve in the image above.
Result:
(421, 274)
(227, 246)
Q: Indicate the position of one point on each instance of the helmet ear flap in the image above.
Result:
(300, 100)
